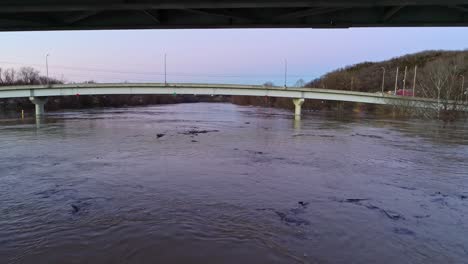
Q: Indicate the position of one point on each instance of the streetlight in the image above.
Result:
(414, 81)
(383, 79)
(463, 88)
(396, 81)
(47, 67)
(165, 69)
(404, 79)
(285, 72)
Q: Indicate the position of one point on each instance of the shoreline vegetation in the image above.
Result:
(430, 74)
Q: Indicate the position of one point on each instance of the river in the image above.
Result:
(220, 183)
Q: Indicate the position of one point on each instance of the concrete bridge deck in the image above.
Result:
(38, 93)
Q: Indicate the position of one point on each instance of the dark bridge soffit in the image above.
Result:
(19, 15)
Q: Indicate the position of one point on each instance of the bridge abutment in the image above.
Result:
(39, 103)
(298, 107)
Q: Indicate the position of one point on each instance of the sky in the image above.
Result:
(244, 56)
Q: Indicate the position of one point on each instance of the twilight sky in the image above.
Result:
(250, 56)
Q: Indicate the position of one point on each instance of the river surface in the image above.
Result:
(220, 183)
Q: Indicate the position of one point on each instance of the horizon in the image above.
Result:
(235, 56)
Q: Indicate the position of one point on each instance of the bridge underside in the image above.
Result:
(19, 15)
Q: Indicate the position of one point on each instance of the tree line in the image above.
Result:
(24, 76)
(31, 76)
(427, 66)
(436, 74)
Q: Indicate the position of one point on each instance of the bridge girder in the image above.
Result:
(19, 15)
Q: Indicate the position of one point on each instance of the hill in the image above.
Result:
(367, 76)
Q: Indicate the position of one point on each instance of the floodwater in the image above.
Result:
(220, 183)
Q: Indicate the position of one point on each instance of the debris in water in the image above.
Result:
(290, 217)
(76, 209)
(196, 132)
(265, 209)
(403, 231)
(440, 201)
(439, 193)
(421, 216)
(372, 207)
(358, 201)
(160, 135)
(194, 141)
(354, 200)
(369, 136)
(314, 135)
(392, 215)
(302, 203)
(291, 220)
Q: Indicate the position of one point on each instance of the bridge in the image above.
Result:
(31, 15)
(38, 93)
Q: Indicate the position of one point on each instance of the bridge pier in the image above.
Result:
(39, 103)
(297, 108)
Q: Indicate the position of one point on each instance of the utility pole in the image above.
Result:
(47, 67)
(414, 80)
(165, 69)
(404, 79)
(396, 81)
(463, 87)
(285, 73)
(383, 79)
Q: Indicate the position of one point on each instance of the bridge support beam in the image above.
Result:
(297, 107)
(39, 102)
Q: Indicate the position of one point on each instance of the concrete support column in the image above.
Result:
(297, 107)
(39, 102)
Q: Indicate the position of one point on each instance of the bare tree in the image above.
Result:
(300, 83)
(9, 76)
(442, 82)
(29, 75)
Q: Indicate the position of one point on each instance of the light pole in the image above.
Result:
(383, 79)
(47, 67)
(165, 69)
(463, 87)
(285, 72)
(404, 79)
(396, 81)
(414, 81)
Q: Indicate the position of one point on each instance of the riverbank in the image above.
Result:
(346, 107)
(91, 101)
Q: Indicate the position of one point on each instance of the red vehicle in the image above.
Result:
(405, 92)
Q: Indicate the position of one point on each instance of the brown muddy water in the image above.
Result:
(219, 183)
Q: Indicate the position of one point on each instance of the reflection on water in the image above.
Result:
(218, 183)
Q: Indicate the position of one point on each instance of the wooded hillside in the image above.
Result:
(367, 76)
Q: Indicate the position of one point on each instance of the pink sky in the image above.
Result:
(217, 56)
